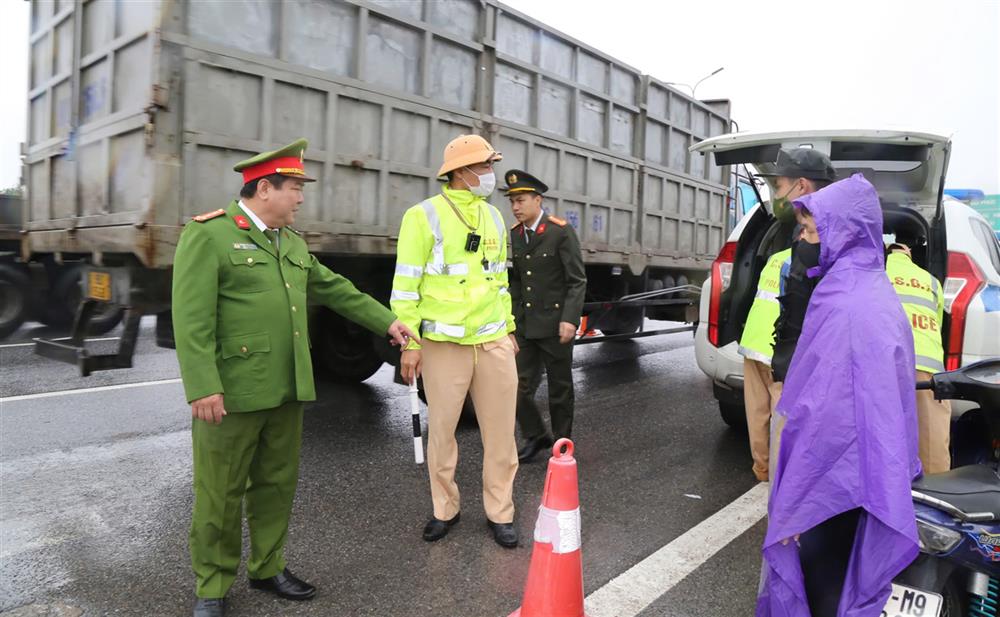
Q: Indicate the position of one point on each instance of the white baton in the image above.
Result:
(418, 444)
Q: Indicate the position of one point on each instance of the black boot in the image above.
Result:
(285, 585)
(210, 607)
(533, 447)
(504, 534)
(437, 529)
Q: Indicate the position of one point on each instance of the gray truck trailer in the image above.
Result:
(139, 110)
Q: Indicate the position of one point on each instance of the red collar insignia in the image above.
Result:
(541, 229)
(241, 221)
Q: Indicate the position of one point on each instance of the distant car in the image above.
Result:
(908, 169)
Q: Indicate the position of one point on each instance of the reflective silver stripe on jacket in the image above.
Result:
(452, 269)
(410, 271)
(934, 289)
(435, 224)
(770, 296)
(404, 295)
(498, 221)
(492, 328)
(750, 354)
(932, 363)
(437, 327)
(495, 268)
(917, 300)
(437, 265)
(504, 291)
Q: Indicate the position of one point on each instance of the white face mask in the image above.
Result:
(487, 182)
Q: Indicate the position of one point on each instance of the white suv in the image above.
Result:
(908, 169)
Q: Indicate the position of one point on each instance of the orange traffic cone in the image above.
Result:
(555, 577)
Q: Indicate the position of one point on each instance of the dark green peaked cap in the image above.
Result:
(287, 161)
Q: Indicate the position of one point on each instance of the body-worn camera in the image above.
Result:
(472, 242)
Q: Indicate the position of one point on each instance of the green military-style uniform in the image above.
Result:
(241, 328)
(547, 286)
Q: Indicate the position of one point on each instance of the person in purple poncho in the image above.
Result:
(841, 522)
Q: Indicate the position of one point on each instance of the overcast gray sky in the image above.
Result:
(788, 64)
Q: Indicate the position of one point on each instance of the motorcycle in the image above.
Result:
(957, 573)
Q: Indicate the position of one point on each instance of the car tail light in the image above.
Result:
(722, 274)
(964, 281)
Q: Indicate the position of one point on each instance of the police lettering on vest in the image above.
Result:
(923, 302)
(757, 342)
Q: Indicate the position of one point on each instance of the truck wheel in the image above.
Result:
(59, 308)
(622, 321)
(733, 415)
(342, 350)
(15, 299)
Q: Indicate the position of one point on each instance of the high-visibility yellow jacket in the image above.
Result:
(923, 302)
(441, 289)
(757, 342)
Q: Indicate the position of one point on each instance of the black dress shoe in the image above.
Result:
(435, 529)
(532, 448)
(210, 607)
(504, 534)
(285, 585)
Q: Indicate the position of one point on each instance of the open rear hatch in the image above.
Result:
(907, 169)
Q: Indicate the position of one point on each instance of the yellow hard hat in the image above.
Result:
(467, 150)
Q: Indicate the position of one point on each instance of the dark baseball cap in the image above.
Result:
(802, 163)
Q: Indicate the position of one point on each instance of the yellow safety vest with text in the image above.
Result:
(442, 290)
(757, 342)
(923, 302)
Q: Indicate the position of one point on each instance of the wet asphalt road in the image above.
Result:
(96, 492)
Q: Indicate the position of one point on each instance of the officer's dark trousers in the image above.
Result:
(253, 455)
(557, 360)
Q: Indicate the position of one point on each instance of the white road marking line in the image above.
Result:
(631, 592)
(122, 386)
(61, 338)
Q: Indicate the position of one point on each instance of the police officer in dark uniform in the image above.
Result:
(547, 285)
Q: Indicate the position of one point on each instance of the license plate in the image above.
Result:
(99, 286)
(910, 602)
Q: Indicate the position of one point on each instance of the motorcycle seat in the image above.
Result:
(972, 492)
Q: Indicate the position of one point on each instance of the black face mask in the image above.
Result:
(807, 254)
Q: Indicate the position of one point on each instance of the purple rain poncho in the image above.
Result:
(850, 440)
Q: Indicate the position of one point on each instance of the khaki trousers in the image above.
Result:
(760, 395)
(934, 428)
(487, 372)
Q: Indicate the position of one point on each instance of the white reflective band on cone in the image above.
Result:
(559, 528)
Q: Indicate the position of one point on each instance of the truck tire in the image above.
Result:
(622, 321)
(342, 350)
(58, 308)
(733, 415)
(15, 299)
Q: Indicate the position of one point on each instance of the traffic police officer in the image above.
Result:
(451, 282)
(923, 302)
(547, 286)
(241, 282)
(760, 391)
(770, 336)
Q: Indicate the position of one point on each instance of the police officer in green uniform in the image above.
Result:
(241, 282)
(547, 286)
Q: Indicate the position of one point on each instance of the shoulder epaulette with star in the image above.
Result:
(293, 230)
(558, 221)
(208, 216)
(515, 226)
